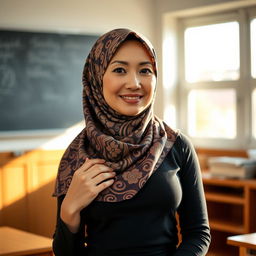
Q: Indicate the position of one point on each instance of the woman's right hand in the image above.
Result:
(87, 182)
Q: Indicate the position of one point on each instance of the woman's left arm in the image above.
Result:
(192, 211)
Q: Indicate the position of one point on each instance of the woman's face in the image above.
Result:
(129, 81)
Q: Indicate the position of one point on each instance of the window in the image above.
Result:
(216, 87)
(212, 52)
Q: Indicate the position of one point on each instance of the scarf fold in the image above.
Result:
(134, 146)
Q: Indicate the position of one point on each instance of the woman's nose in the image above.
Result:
(133, 82)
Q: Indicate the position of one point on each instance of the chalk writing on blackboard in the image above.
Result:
(7, 79)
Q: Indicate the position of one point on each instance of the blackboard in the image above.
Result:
(40, 79)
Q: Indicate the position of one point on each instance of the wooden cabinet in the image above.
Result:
(231, 209)
(26, 187)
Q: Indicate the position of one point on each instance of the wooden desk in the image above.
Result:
(14, 242)
(245, 242)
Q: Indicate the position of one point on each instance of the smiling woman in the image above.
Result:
(126, 175)
(129, 81)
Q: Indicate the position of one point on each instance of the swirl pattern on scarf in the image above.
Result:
(134, 146)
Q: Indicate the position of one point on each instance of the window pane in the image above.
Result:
(253, 48)
(212, 52)
(212, 113)
(254, 113)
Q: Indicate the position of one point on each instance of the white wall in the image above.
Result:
(91, 16)
(163, 6)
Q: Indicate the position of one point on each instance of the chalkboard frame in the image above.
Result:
(47, 132)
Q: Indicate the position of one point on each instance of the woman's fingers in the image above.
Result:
(95, 170)
(95, 175)
(88, 181)
(104, 185)
(89, 163)
(93, 167)
(101, 177)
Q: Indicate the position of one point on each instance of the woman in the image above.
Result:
(126, 175)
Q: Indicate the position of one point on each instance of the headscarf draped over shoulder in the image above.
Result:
(134, 146)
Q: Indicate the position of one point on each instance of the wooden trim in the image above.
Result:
(221, 152)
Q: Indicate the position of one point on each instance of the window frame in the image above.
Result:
(243, 86)
(252, 15)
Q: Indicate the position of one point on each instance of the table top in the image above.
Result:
(246, 240)
(14, 242)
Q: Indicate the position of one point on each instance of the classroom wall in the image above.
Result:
(82, 15)
(94, 17)
(164, 6)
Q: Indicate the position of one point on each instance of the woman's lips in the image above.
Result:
(131, 98)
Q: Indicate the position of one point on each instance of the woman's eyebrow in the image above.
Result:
(126, 63)
(146, 63)
(119, 62)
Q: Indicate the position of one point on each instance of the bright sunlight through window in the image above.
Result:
(212, 52)
(212, 113)
(253, 49)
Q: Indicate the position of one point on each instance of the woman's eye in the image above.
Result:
(119, 70)
(146, 71)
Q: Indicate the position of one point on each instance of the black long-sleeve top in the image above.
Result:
(146, 224)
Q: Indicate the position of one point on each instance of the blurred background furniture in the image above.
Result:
(246, 243)
(15, 242)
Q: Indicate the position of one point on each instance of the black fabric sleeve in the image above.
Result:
(66, 243)
(192, 210)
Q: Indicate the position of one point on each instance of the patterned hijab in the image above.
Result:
(134, 146)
